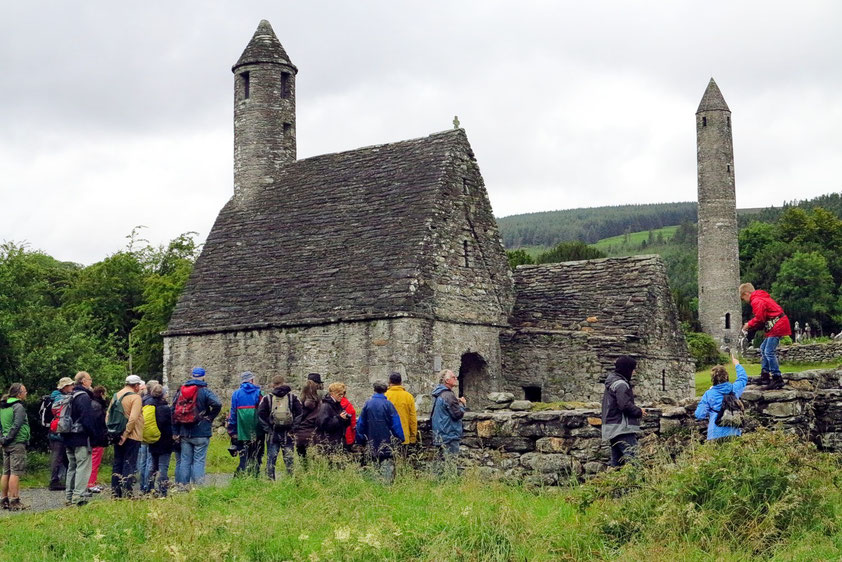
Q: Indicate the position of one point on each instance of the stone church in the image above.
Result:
(388, 258)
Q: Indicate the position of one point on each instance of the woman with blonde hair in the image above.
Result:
(713, 399)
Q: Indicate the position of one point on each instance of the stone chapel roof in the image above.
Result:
(264, 47)
(712, 99)
(335, 237)
(625, 295)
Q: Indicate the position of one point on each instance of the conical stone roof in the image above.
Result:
(264, 47)
(712, 100)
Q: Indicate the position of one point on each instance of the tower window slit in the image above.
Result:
(465, 186)
(727, 320)
(729, 167)
(704, 121)
(728, 120)
(246, 85)
(287, 129)
(285, 89)
(465, 252)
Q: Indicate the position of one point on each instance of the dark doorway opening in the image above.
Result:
(532, 393)
(473, 375)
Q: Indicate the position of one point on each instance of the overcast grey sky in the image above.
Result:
(117, 114)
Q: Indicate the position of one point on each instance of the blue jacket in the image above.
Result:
(378, 421)
(711, 402)
(447, 415)
(242, 420)
(209, 407)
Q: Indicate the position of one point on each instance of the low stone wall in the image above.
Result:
(806, 353)
(554, 446)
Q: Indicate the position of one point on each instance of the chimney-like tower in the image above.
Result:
(720, 312)
(264, 111)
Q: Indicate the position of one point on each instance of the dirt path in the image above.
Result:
(42, 499)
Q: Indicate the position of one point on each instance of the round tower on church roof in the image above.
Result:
(720, 311)
(264, 111)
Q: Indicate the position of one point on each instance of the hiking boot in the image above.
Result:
(56, 486)
(762, 380)
(5, 503)
(16, 505)
(776, 384)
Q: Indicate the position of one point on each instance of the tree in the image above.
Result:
(804, 287)
(518, 257)
(569, 251)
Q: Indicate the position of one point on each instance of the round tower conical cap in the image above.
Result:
(264, 47)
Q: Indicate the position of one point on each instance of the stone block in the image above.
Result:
(779, 395)
(501, 397)
(674, 412)
(751, 395)
(548, 415)
(783, 409)
(551, 445)
(593, 467)
(520, 405)
(668, 424)
(486, 429)
(553, 463)
(515, 444)
(587, 431)
(596, 422)
(802, 384)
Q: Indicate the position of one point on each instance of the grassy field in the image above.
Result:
(753, 370)
(616, 243)
(766, 496)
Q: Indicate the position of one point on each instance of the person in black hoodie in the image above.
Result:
(77, 442)
(100, 440)
(333, 420)
(158, 461)
(620, 415)
(304, 426)
(279, 433)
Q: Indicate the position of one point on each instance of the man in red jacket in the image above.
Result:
(768, 316)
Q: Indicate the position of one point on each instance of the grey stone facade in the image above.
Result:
(720, 312)
(572, 320)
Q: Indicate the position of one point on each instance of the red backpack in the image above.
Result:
(187, 405)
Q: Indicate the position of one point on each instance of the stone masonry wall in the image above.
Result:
(553, 446)
(356, 353)
(806, 353)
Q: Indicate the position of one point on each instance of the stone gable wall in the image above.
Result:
(554, 446)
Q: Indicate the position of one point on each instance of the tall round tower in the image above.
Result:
(720, 312)
(264, 111)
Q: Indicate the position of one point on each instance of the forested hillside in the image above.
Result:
(592, 224)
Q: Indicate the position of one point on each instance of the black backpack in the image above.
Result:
(730, 414)
(45, 410)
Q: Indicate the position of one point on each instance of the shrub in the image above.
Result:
(704, 350)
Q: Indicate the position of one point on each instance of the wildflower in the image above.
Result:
(342, 534)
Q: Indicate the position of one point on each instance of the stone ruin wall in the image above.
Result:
(805, 353)
(356, 353)
(553, 446)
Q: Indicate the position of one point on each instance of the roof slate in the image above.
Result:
(712, 99)
(264, 47)
(335, 237)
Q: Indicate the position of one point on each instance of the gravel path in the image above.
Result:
(42, 499)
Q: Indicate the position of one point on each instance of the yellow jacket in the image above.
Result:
(405, 405)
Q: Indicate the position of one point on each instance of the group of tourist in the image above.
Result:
(621, 417)
(145, 429)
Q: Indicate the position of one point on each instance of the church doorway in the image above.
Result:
(473, 375)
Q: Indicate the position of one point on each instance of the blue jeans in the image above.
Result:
(142, 458)
(194, 454)
(768, 357)
(273, 448)
(157, 467)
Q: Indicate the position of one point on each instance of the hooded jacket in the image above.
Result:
(330, 428)
(620, 415)
(163, 419)
(208, 405)
(264, 413)
(99, 408)
(405, 405)
(446, 416)
(242, 421)
(711, 403)
(13, 421)
(83, 417)
(305, 423)
(765, 309)
(378, 421)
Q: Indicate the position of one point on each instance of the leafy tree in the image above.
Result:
(805, 287)
(518, 257)
(570, 251)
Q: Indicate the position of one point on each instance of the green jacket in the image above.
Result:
(13, 421)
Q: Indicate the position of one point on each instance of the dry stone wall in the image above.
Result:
(554, 446)
(806, 353)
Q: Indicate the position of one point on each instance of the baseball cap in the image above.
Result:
(133, 379)
(64, 381)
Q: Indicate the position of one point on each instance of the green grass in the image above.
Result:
(753, 370)
(765, 496)
(619, 243)
(38, 464)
